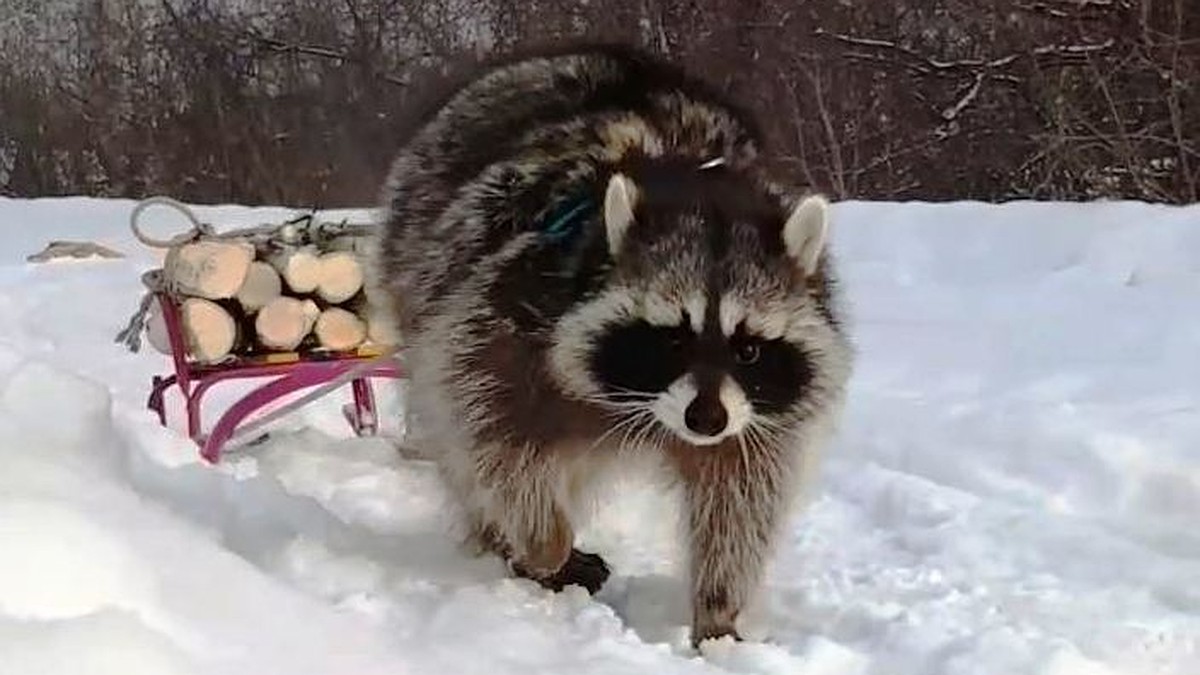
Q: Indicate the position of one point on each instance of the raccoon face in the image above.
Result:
(709, 329)
(704, 386)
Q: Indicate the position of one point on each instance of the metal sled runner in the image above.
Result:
(291, 372)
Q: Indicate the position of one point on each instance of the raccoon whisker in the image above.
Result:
(661, 435)
(628, 390)
(632, 430)
(618, 403)
(768, 437)
(643, 415)
(620, 397)
(621, 409)
(626, 396)
(759, 437)
(764, 443)
(645, 430)
(762, 438)
(634, 439)
(618, 414)
(624, 391)
(624, 421)
(753, 438)
(759, 444)
(766, 423)
(741, 439)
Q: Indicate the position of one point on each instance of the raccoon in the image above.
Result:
(587, 262)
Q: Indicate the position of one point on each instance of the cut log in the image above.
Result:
(209, 330)
(340, 329)
(213, 270)
(340, 277)
(261, 286)
(283, 322)
(300, 268)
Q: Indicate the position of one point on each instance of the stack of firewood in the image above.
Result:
(270, 295)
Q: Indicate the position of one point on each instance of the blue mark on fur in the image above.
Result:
(567, 219)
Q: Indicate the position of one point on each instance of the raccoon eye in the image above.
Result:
(746, 353)
(776, 373)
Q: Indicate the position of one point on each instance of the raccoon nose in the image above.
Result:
(706, 415)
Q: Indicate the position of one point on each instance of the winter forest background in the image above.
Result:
(301, 101)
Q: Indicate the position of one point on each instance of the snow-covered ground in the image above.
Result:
(1015, 488)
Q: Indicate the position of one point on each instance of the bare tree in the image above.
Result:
(304, 101)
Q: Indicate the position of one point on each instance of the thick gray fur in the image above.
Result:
(497, 325)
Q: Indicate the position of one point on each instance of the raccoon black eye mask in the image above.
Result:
(586, 259)
(642, 358)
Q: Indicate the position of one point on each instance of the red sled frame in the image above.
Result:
(292, 372)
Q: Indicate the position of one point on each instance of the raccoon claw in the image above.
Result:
(581, 569)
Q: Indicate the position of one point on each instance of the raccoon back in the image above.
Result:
(524, 139)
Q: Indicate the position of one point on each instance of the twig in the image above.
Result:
(951, 113)
(276, 45)
(998, 62)
(1175, 108)
(798, 121)
(838, 176)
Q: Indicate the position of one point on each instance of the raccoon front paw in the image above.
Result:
(712, 631)
(581, 569)
(585, 569)
(714, 618)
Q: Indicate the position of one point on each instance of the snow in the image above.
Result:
(1013, 489)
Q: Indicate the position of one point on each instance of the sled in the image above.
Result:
(289, 372)
(317, 366)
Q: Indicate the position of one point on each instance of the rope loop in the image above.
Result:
(197, 230)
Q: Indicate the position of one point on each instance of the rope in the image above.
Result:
(197, 230)
(290, 231)
(131, 334)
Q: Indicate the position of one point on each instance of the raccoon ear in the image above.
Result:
(619, 201)
(805, 231)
